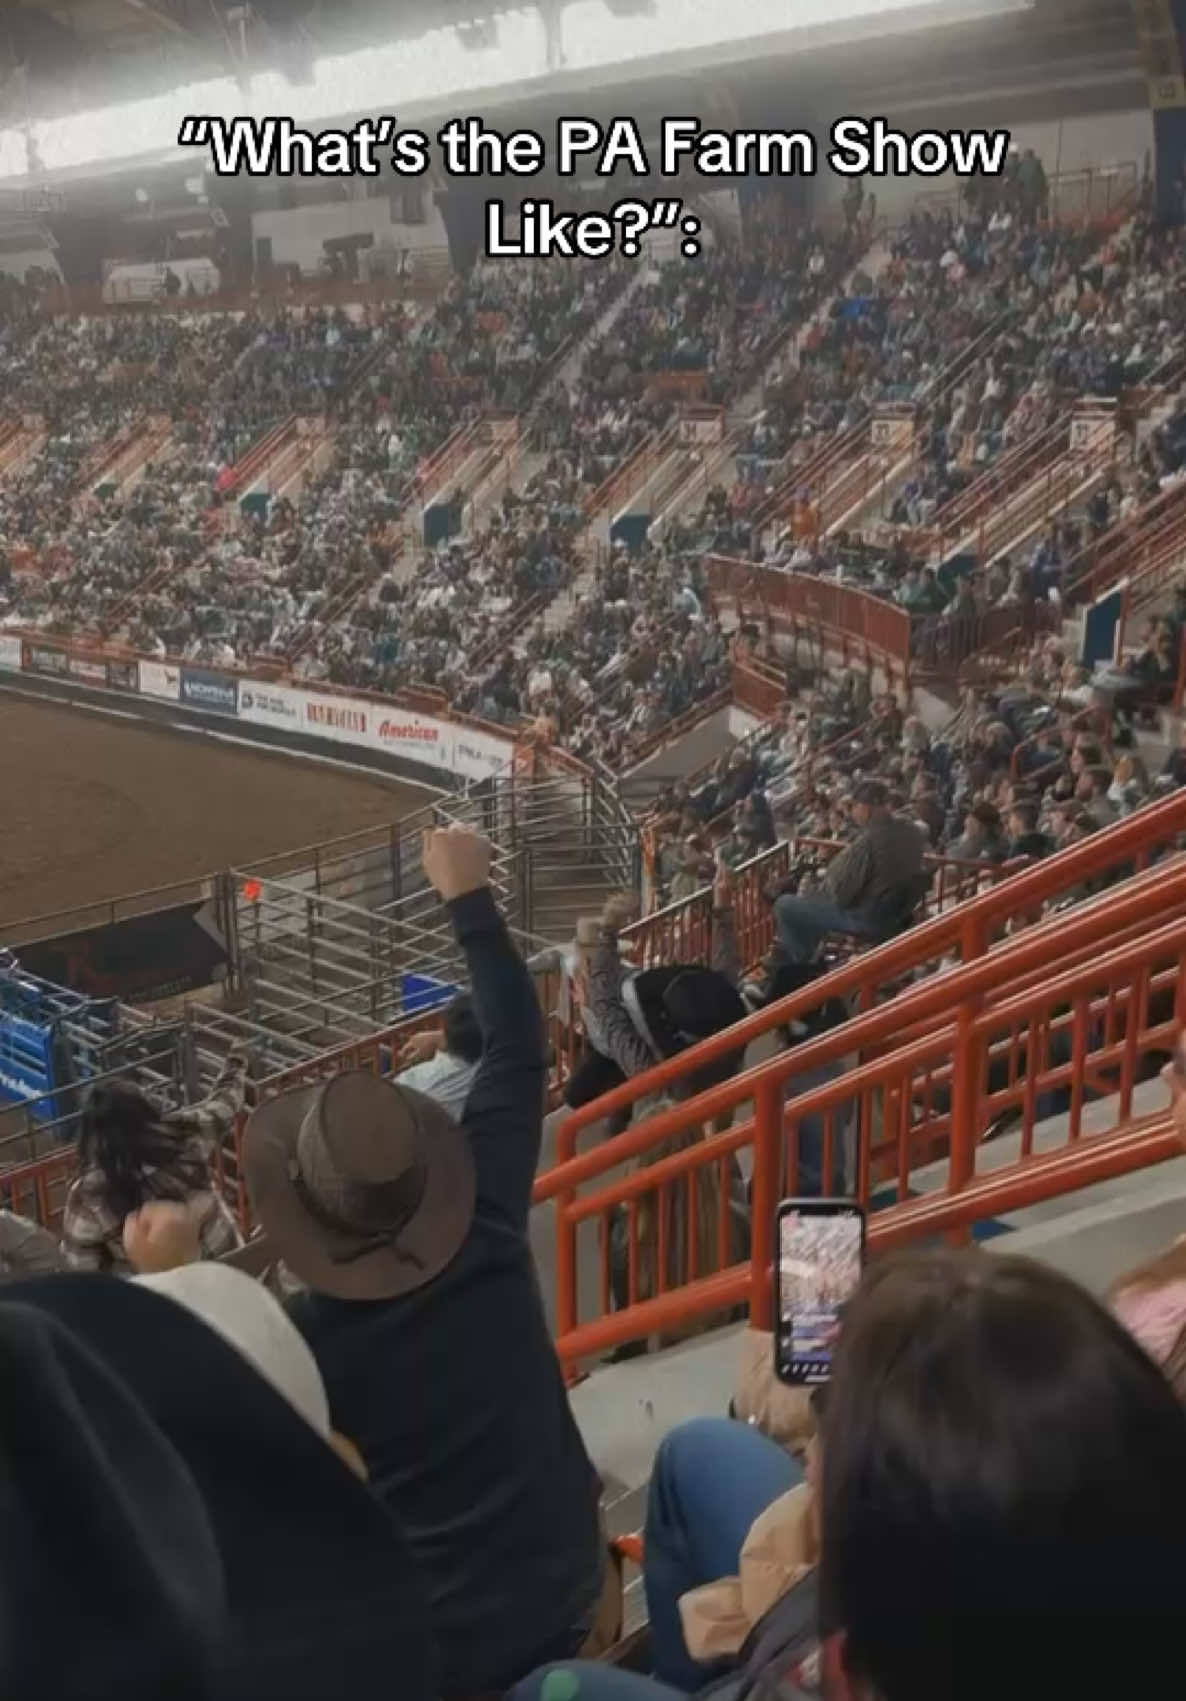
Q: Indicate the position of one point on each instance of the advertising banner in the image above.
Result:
(345, 720)
(123, 675)
(203, 689)
(88, 669)
(160, 679)
(10, 652)
(416, 738)
(272, 705)
(39, 658)
(479, 755)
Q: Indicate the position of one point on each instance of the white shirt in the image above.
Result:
(444, 1078)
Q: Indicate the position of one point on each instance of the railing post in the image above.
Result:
(764, 1192)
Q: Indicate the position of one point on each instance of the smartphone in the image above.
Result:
(819, 1258)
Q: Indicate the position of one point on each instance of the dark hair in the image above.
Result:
(872, 793)
(1026, 814)
(1003, 1507)
(463, 1036)
(988, 815)
(121, 1136)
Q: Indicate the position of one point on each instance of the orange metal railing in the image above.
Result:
(870, 629)
(1062, 1052)
(961, 932)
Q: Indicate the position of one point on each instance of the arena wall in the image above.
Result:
(368, 732)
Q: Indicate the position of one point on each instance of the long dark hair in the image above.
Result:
(122, 1137)
(1003, 1509)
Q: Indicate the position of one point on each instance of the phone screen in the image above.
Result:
(820, 1257)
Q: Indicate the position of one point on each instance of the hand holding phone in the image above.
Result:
(819, 1262)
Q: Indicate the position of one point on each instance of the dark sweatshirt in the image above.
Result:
(454, 1394)
(885, 856)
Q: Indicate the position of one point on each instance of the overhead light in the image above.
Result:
(143, 197)
(195, 186)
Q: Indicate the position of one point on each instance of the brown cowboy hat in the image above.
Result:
(365, 1188)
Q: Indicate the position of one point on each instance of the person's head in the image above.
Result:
(982, 822)
(120, 1136)
(463, 1036)
(869, 800)
(1003, 1504)
(1023, 819)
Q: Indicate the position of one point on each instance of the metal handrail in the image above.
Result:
(1087, 1029)
(969, 930)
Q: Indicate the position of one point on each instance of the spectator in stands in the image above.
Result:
(1025, 837)
(1130, 784)
(869, 891)
(444, 1061)
(131, 1153)
(1151, 1303)
(970, 1511)
(646, 1016)
(423, 1310)
(187, 1531)
(982, 839)
(1174, 770)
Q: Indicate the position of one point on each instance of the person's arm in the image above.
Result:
(725, 958)
(550, 961)
(848, 874)
(212, 1120)
(87, 1227)
(619, 1039)
(503, 1116)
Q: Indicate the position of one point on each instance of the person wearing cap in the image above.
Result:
(423, 1309)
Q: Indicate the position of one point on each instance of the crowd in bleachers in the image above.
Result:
(329, 582)
(366, 1462)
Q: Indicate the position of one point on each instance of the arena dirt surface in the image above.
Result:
(92, 807)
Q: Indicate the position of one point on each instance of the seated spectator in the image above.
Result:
(982, 839)
(1025, 837)
(130, 1153)
(1130, 784)
(424, 1312)
(968, 1506)
(444, 1061)
(868, 890)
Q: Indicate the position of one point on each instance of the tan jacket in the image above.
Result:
(778, 1552)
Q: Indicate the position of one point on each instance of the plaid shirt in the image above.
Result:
(92, 1230)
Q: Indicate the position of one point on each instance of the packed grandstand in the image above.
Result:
(785, 646)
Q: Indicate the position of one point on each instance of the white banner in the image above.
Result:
(94, 672)
(702, 430)
(160, 679)
(478, 755)
(272, 705)
(893, 432)
(1092, 431)
(417, 738)
(10, 652)
(345, 720)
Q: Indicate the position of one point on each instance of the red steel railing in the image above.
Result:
(1063, 1056)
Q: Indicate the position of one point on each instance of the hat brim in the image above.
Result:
(332, 1264)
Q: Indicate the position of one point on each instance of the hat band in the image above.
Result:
(363, 1242)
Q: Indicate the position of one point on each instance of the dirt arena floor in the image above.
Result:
(92, 807)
